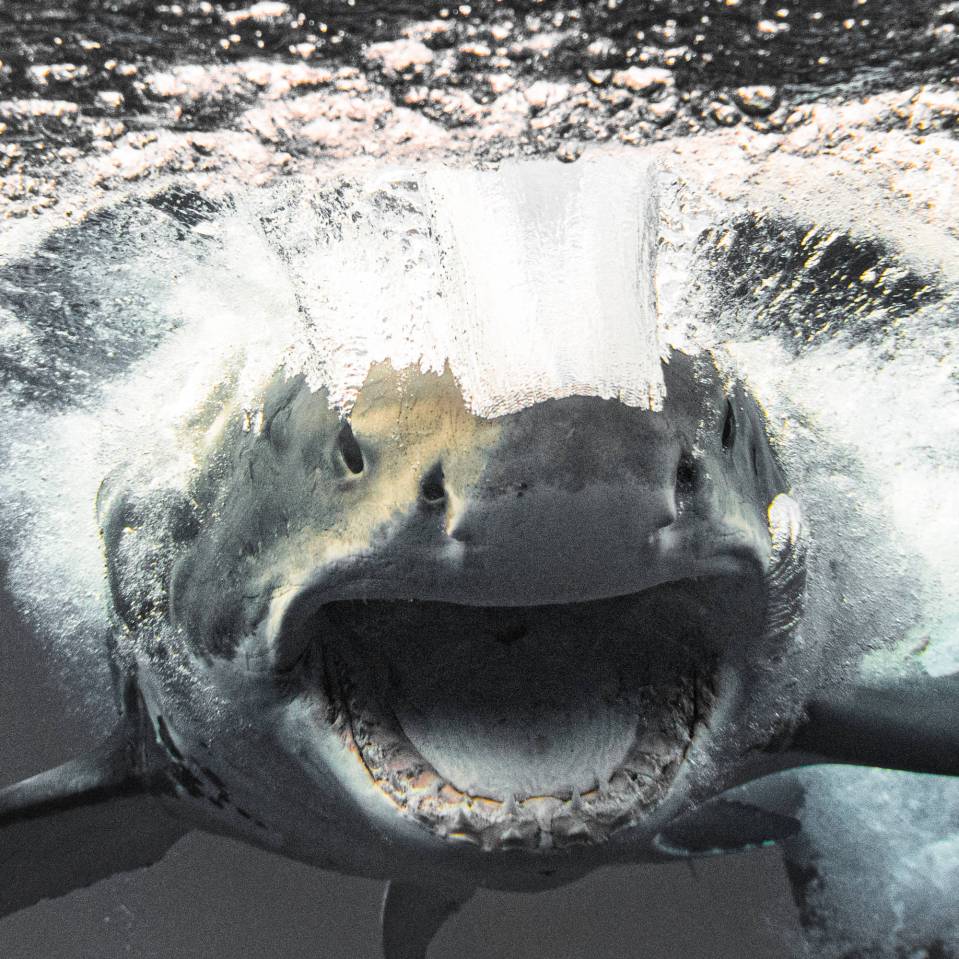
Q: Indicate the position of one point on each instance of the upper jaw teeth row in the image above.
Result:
(532, 823)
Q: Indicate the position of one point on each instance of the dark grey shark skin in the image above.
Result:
(580, 502)
(423, 646)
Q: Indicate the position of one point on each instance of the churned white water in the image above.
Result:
(529, 281)
(533, 281)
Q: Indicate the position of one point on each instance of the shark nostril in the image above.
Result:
(350, 450)
(729, 427)
(432, 486)
(511, 634)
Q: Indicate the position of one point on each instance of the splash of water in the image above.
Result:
(129, 342)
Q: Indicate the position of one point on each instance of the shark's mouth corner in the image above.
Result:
(531, 728)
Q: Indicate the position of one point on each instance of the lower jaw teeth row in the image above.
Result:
(534, 823)
(538, 822)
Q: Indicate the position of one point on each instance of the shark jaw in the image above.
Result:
(530, 728)
(488, 635)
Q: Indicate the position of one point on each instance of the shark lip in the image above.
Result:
(530, 728)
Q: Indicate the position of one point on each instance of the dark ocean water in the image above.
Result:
(716, 44)
(95, 58)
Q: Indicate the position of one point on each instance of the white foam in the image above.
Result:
(531, 282)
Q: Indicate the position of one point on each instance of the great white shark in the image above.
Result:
(415, 631)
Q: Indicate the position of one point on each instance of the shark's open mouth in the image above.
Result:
(529, 727)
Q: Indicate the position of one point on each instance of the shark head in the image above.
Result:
(483, 638)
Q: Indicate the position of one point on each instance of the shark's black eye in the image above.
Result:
(350, 449)
(432, 487)
(729, 427)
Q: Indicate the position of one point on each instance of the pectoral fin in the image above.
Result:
(757, 814)
(913, 726)
(413, 914)
(79, 823)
